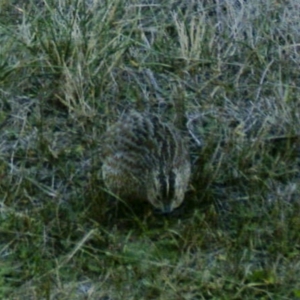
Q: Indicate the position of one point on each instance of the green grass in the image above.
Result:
(68, 69)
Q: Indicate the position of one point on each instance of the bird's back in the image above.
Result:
(141, 150)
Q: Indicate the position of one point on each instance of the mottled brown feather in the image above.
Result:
(148, 159)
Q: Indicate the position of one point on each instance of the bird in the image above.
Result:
(145, 158)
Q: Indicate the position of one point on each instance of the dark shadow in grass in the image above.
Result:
(109, 211)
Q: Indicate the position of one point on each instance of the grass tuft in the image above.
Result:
(68, 69)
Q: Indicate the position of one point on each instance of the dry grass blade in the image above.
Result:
(218, 84)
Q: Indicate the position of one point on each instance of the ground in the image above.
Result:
(226, 72)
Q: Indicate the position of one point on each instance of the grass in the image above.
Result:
(70, 68)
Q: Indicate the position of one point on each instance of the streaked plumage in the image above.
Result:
(148, 159)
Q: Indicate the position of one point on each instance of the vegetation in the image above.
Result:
(69, 68)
